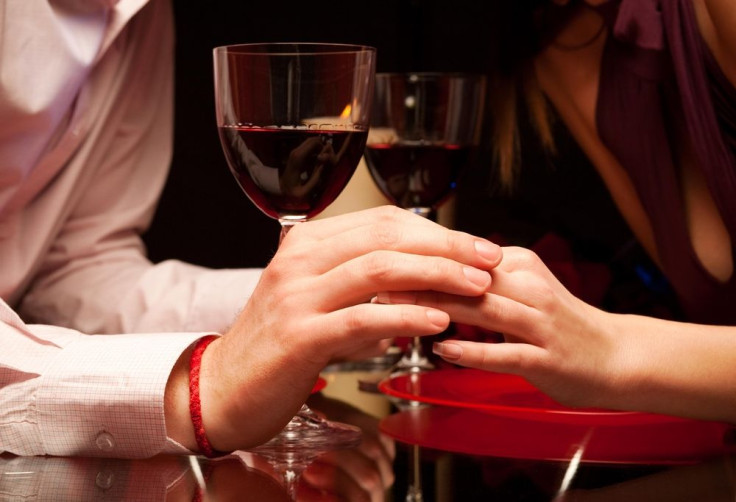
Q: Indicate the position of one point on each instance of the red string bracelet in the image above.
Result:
(195, 406)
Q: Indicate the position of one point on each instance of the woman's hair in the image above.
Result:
(523, 28)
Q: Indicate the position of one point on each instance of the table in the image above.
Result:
(522, 462)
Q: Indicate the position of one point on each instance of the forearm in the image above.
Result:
(122, 292)
(676, 368)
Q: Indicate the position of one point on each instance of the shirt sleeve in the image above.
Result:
(95, 276)
(66, 393)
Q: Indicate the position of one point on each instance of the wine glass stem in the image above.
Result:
(286, 225)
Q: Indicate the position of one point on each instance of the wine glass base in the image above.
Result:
(305, 437)
(308, 435)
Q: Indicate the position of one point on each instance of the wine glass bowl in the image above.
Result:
(425, 130)
(293, 119)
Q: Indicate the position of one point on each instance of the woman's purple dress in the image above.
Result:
(660, 84)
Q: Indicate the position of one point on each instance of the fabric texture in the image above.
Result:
(86, 113)
(659, 86)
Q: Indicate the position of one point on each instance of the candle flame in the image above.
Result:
(346, 112)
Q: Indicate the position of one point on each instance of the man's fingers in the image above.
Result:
(389, 228)
(370, 321)
(359, 279)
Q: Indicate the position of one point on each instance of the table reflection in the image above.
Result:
(504, 465)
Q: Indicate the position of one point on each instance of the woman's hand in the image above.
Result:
(582, 356)
(559, 343)
(313, 306)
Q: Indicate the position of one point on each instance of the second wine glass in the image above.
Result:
(425, 129)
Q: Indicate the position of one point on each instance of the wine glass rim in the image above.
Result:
(272, 48)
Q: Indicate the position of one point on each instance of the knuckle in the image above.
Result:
(452, 242)
(486, 359)
(494, 311)
(442, 270)
(405, 320)
(546, 297)
(354, 320)
(390, 212)
(525, 259)
(378, 267)
(386, 233)
(516, 361)
(274, 273)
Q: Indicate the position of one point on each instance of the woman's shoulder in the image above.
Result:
(716, 21)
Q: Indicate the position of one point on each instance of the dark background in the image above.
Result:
(204, 217)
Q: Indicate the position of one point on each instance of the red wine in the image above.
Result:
(417, 175)
(292, 172)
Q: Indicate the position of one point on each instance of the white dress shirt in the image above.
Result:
(86, 92)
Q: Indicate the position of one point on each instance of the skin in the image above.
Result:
(578, 354)
(312, 307)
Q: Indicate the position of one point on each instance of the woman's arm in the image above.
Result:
(583, 356)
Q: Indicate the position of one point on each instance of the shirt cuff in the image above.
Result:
(104, 395)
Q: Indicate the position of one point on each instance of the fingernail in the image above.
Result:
(438, 318)
(448, 350)
(477, 277)
(487, 250)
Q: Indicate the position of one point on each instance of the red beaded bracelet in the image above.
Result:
(195, 406)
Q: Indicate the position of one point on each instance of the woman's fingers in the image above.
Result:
(489, 311)
(524, 277)
(516, 358)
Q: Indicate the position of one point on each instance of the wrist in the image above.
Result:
(195, 405)
(247, 400)
(176, 404)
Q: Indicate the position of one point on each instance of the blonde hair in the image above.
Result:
(505, 107)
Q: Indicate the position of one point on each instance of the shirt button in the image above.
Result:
(104, 480)
(105, 441)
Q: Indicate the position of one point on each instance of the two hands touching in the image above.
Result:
(342, 288)
(313, 306)
(582, 356)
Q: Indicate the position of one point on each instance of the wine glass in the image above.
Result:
(293, 120)
(424, 133)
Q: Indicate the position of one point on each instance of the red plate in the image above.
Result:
(502, 395)
(472, 432)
